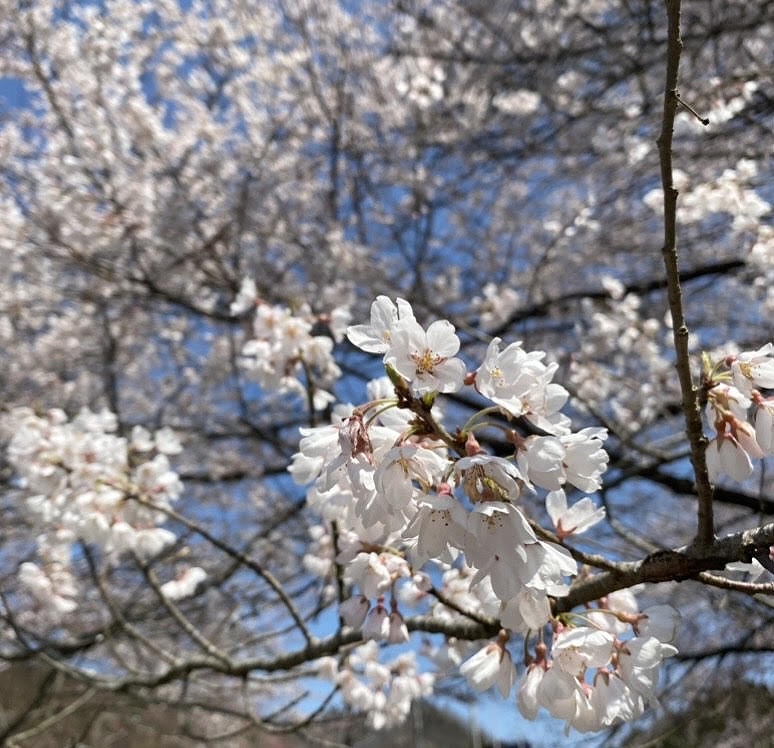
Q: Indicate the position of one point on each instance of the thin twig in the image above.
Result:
(704, 120)
(178, 615)
(118, 616)
(15, 740)
(590, 559)
(449, 603)
(234, 553)
(705, 526)
(751, 588)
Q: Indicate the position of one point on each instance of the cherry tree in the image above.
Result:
(349, 356)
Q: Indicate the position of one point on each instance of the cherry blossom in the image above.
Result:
(93, 484)
(438, 526)
(660, 621)
(53, 586)
(398, 631)
(511, 377)
(593, 677)
(584, 459)
(377, 622)
(441, 506)
(739, 413)
(185, 584)
(353, 610)
(575, 519)
(575, 650)
(490, 666)
(426, 358)
(285, 356)
(753, 369)
(373, 572)
(376, 337)
(383, 691)
(764, 425)
(731, 453)
(489, 478)
(529, 610)
(527, 694)
(502, 545)
(246, 298)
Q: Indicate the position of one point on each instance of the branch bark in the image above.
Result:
(705, 533)
(670, 565)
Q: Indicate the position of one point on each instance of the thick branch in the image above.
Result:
(662, 566)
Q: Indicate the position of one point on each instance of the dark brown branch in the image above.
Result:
(542, 308)
(724, 495)
(731, 649)
(751, 588)
(677, 565)
(705, 530)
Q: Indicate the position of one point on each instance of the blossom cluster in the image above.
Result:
(601, 672)
(383, 691)
(389, 473)
(403, 490)
(741, 415)
(285, 352)
(80, 475)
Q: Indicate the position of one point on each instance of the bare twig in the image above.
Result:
(590, 559)
(705, 531)
(235, 553)
(178, 615)
(449, 603)
(117, 615)
(704, 120)
(15, 740)
(751, 588)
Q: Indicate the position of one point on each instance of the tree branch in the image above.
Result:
(690, 405)
(680, 564)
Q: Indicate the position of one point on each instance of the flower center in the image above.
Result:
(426, 361)
(481, 487)
(746, 368)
